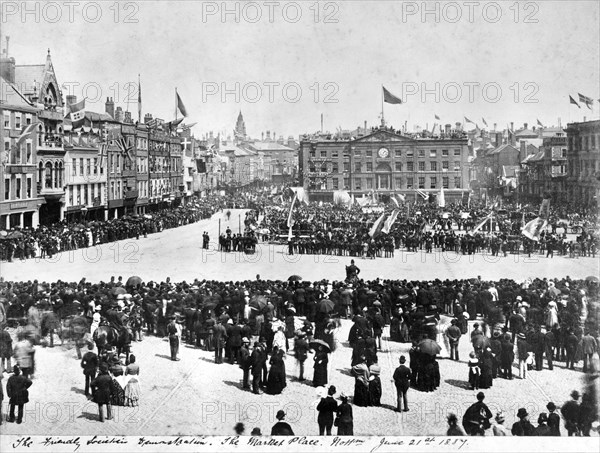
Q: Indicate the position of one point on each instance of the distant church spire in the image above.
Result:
(240, 127)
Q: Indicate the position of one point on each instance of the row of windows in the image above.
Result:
(17, 120)
(86, 167)
(587, 142)
(397, 153)
(17, 187)
(20, 155)
(421, 182)
(84, 194)
(398, 166)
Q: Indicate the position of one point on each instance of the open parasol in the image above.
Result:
(314, 344)
(258, 302)
(429, 347)
(590, 279)
(294, 278)
(15, 235)
(480, 341)
(326, 306)
(118, 290)
(134, 280)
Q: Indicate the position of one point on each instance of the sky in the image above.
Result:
(284, 64)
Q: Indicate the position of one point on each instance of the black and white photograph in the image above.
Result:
(312, 225)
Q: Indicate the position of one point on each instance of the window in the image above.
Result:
(78, 198)
(433, 181)
(334, 153)
(398, 153)
(433, 153)
(444, 153)
(369, 166)
(89, 166)
(457, 152)
(457, 165)
(421, 166)
(357, 184)
(409, 183)
(347, 183)
(410, 153)
(95, 165)
(445, 165)
(118, 163)
(7, 188)
(398, 183)
(421, 153)
(445, 182)
(28, 119)
(357, 151)
(112, 189)
(313, 153)
(421, 182)
(6, 121)
(18, 188)
(335, 183)
(28, 151)
(398, 166)
(29, 186)
(81, 173)
(457, 182)
(369, 183)
(323, 153)
(346, 166)
(410, 166)
(17, 121)
(335, 167)
(433, 166)
(564, 152)
(369, 153)
(85, 194)
(357, 167)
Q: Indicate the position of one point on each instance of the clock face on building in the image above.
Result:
(383, 153)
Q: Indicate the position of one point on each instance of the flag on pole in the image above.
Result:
(545, 209)
(180, 105)
(573, 101)
(484, 122)
(437, 117)
(77, 113)
(481, 224)
(102, 152)
(586, 100)
(290, 220)
(139, 99)
(534, 228)
(29, 129)
(422, 194)
(390, 221)
(467, 120)
(124, 146)
(390, 98)
(377, 226)
(540, 123)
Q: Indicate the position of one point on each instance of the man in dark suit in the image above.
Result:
(256, 360)
(89, 363)
(553, 419)
(219, 338)
(235, 342)
(245, 362)
(326, 407)
(16, 390)
(281, 428)
(102, 391)
(453, 333)
(402, 377)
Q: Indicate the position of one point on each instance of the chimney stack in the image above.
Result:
(109, 107)
(262, 136)
(119, 114)
(512, 126)
(559, 122)
(365, 127)
(525, 125)
(447, 129)
(128, 117)
(495, 125)
(147, 118)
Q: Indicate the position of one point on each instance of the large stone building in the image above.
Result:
(583, 158)
(385, 162)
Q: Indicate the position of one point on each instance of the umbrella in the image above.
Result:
(314, 344)
(15, 235)
(326, 306)
(377, 303)
(480, 341)
(429, 347)
(118, 290)
(147, 216)
(3, 233)
(590, 279)
(133, 281)
(294, 278)
(258, 302)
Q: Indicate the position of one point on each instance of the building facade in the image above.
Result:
(385, 162)
(583, 160)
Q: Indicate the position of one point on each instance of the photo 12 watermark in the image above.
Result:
(326, 12)
(470, 12)
(71, 12)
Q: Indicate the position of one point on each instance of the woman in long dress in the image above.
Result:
(361, 382)
(132, 389)
(375, 385)
(276, 379)
(320, 367)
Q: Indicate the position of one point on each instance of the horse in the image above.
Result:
(106, 336)
(74, 328)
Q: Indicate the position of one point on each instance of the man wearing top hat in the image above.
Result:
(553, 419)
(174, 332)
(523, 427)
(245, 361)
(401, 378)
(570, 412)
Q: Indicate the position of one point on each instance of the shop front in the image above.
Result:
(22, 214)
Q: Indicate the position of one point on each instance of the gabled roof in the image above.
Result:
(11, 96)
(535, 157)
(29, 76)
(507, 147)
(526, 133)
(531, 149)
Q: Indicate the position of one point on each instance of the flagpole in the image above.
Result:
(175, 103)
(382, 116)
